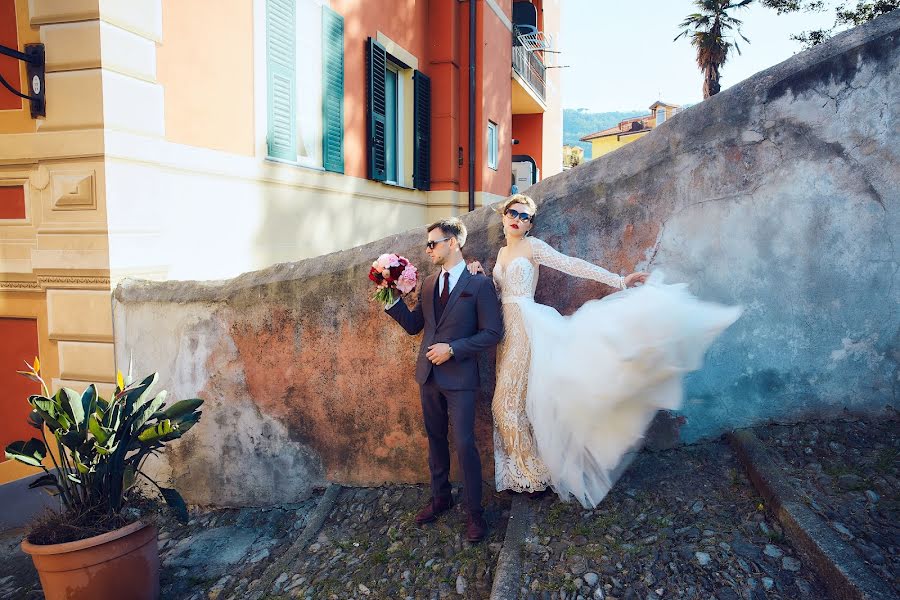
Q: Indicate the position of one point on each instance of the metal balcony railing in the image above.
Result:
(528, 64)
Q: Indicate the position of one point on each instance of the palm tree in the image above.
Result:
(708, 31)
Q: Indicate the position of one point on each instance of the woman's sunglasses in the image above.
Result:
(522, 216)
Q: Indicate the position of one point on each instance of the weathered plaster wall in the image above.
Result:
(780, 194)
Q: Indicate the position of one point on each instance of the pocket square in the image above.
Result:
(465, 295)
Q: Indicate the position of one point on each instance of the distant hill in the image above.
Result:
(578, 122)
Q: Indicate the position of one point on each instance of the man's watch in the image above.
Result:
(451, 349)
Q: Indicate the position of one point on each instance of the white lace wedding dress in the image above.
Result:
(573, 394)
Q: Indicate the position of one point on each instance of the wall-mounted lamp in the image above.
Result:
(35, 62)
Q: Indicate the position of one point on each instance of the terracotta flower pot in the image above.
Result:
(120, 564)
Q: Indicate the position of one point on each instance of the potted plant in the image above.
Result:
(98, 546)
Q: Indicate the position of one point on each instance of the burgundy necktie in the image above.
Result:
(445, 291)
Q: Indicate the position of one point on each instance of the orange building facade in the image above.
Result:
(181, 142)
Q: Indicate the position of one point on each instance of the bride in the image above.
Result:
(573, 394)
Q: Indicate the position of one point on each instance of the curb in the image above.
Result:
(508, 573)
(316, 520)
(836, 563)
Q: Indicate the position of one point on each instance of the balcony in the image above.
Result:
(529, 72)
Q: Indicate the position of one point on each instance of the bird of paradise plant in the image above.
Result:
(101, 444)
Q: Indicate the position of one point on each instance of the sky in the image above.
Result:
(621, 55)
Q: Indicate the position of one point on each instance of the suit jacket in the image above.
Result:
(472, 322)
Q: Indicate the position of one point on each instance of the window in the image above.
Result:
(493, 145)
(305, 83)
(393, 137)
(393, 129)
(660, 116)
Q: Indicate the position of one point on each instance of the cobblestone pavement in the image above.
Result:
(681, 524)
(18, 579)
(684, 523)
(848, 472)
(371, 547)
(225, 548)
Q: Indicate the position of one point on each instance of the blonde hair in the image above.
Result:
(518, 199)
(451, 227)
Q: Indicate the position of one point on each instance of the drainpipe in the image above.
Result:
(471, 105)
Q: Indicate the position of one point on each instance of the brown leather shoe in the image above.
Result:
(476, 529)
(435, 508)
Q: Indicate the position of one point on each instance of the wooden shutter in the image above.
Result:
(281, 79)
(333, 91)
(376, 59)
(422, 129)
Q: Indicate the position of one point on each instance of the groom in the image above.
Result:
(461, 318)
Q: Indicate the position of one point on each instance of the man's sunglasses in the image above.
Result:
(430, 244)
(522, 216)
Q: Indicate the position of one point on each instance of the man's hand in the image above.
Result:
(635, 278)
(438, 354)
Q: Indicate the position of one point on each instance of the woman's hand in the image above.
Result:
(636, 278)
(475, 267)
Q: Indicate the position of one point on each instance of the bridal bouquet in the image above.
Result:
(393, 275)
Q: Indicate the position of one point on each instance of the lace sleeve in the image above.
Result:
(544, 254)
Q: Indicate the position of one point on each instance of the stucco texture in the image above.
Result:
(779, 194)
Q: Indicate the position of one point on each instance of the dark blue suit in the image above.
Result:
(471, 322)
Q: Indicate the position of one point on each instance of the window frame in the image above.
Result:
(262, 99)
(493, 145)
(399, 145)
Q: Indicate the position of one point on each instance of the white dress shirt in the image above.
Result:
(455, 274)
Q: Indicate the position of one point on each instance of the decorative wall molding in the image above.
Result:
(73, 190)
(20, 286)
(79, 282)
(92, 282)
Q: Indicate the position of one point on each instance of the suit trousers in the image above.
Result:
(440, 408)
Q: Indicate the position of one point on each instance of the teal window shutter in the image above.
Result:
(422, 127)
(281, 79)
(333, 91)
(390, 124)
(376, 61)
